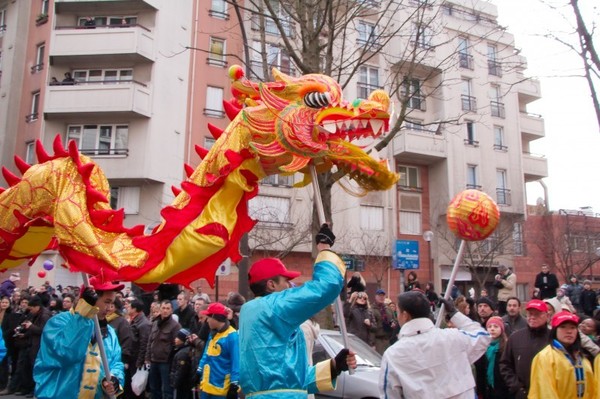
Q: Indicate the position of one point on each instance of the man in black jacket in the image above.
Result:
(184, 312)
(521, 348)
(140, 331)
(546, 282)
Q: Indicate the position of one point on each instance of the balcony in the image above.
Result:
(532, 126)
(104, 43)
(90, 6)
(497, 109)
(535, 167)
(128, 99)
(494, 68)
(469, 103)
(529, 90)
(420, 146)
(465, 61)
(503, 196)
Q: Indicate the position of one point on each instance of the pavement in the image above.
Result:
(12, 397)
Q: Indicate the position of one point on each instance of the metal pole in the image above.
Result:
(98, 332)
(457, 261)
(339, 307)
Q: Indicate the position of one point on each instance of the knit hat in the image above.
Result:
(14, 277)
(555, 303)
(487, 301)
(183, 334)
(496, 320)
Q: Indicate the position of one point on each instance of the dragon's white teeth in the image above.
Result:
(362, 123)
(376, 125)
(340, 125)
(330, 127)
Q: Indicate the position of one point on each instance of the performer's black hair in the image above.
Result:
(415, 304)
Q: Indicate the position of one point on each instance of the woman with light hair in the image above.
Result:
(359, 318)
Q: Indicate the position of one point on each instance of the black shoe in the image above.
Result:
(6, 391)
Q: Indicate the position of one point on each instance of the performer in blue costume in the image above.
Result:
(273, 358)
(2, 347)
(68, 365)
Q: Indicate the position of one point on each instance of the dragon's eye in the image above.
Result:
(316, 99)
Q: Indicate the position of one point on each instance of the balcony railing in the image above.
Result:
(104, 151)
(465, 61)
(215, 113)
(497, 109)
(364, 89)
(469, 103)
(37, 68)
(218, 14)
(31, 117)
(500, 147)
(2, 29)
(216, 59)
(470, 142)
(109, 26)
(494, 68)
(473, 186)
(503, 196)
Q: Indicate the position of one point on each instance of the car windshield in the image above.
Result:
(365, 356)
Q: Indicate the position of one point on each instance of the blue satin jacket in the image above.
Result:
(2, 347)
(65, 353)
(220, 363)
(273, 360)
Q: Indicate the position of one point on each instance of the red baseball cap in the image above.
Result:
(215, 308)
(269, 268)
(563, 317)
(537, 305)
(100, 285)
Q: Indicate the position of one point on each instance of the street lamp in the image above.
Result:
(428, 236)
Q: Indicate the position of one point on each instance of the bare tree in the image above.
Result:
(569, 241)
(342, 38)
(372, 250)
(580, 40)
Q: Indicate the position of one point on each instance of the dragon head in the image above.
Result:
(296, 122)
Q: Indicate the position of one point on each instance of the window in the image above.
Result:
(105, 76)
(270, 26)
(493, 244)
(410, 223)
(409, 177)
(470, 140)
(277, 57)
(464, 58)
(517, 236)
(30, 152)
(39, 58)
(472, 177)
(371, 217)
(2, 21)
(123, 21)
(45, 8)
(218, 9)
(414, 124)
(421, 36)
(100, 139)
(209, 142)
(368, 80)
(214, 102)
(496, 106)
(411, 93)
(270, 210)
(468, 101)
(502, 193)
(216, 52)
(499, 139)
(127, 198)
(35, 104)
(367, 34)
(494, 67)
(278, 180)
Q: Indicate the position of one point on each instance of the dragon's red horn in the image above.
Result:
(175, 190)
(201, 151)
(59, 149)
(41, 153)
(215, 131)
(231, 110)
(10, 177)
(188, 170)
(21, 164)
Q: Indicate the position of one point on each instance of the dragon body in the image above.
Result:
(284, 126)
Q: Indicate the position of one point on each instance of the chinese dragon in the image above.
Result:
(279, 127)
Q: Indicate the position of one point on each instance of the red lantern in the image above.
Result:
(472, 215)
(41, 274)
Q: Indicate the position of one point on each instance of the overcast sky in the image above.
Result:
(572, 142)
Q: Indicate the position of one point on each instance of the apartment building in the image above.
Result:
(466, 125)
(114, 77)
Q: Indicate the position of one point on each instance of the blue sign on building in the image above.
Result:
(406, 255)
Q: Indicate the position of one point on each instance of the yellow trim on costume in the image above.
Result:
(330, 256)
(91, 373)
(323, 376)
(274, 391)
(85, 309)
(206, 386)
